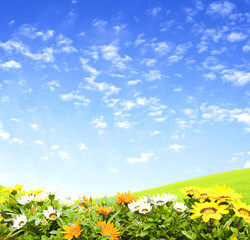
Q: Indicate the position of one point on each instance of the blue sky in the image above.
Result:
(98, 97)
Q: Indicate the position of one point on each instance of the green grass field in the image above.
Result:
(239, 180)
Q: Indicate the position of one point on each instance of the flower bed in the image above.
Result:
(207, 213)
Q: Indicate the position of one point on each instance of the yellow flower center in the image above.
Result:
(21, 223)
(160, 202)
(53, 216)
(144, 210)
(209, 210)
(244, 212)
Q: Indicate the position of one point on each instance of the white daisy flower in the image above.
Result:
(134, 206)
(159, 199)
(145, 208)
(25, 199)
(20, 221)
(51, 191)
(66, 202)
(180, 207)
(170, 198)
(51, 213)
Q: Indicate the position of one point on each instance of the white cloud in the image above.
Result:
(128, 105)
(46, 55)
(34, 126)
(154, 12)
(86, 67)
(30, 31)
(39, 142)
(99, 122)
(64, 155)
(99, 24)
(15, 120)
(107, 88)
(114, 170)
(246, 48)
(17, 140)
(134, 82)
(75, 96)
(110, 53)
(144, 158)
(243, 117)
(10, 65)
(247, 164)
(162, 48)
(221, 8)
(46, 158)
(52, 85)
(150, 62)
(178, 89)
(124, 124)
(65, 44)
(153, 75)
(177, 147)
(154, 133)
(236, 36)
(210, 76)
(83, 146)
(4, 135)
(54, 147)
(139, 40)
(239, 78)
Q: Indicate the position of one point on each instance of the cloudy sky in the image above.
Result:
(98, 97)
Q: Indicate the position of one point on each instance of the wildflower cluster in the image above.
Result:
(207, 213)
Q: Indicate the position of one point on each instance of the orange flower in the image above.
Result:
(74, 230)
(109, 230)
(126, 197)
(105, 210)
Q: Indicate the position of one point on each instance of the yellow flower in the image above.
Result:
(126, 197)
(224, 194)
(18, 187)
(7, 190)
(109, 230)
(105, 210)
(208, 210)
(36, 192)
(190, 191)
(2, 200)
(242, 210)
(71, 231)
(204, 194)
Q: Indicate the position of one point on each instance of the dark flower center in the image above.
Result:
(209, 210)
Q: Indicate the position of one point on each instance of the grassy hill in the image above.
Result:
(239, 180)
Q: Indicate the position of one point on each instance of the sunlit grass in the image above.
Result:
(239, 180)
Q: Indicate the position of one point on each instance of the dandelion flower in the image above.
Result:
(208, 210)
(126, 197)
(242, 210)
(105, 210)
(20, 221)
(51, 214)
(145, 208)
(25, 199)
(180, 207)
(71, 231)
(109, 230)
